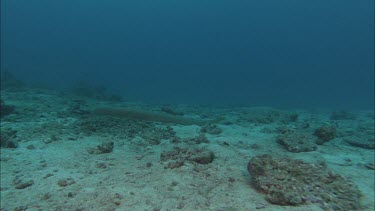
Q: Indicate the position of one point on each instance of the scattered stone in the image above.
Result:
(211, 129)
(126, 129)
(292, 182)
(325, 133)
(105, 147)
(156, 133)
(297, 142)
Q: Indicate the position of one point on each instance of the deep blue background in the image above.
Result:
(311, 53)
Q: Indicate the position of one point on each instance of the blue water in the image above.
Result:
(276, 53)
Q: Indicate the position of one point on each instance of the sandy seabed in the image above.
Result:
(52, 167)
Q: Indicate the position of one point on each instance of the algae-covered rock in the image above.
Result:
(293, 182)
(325, 133)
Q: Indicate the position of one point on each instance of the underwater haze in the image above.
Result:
(260, 53)
(187, 105)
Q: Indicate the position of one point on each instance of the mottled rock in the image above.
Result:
(297, 142)
(293, 182)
